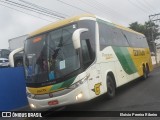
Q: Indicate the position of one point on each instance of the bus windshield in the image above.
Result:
(51, 56)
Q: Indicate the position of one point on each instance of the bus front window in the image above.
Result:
(36, 59)
(52, 56)
(63, 58)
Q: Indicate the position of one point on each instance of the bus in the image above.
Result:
(80, 58)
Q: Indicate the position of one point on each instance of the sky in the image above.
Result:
(124, 12)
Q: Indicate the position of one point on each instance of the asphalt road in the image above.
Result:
(139, 95)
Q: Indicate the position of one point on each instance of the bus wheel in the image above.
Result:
(147, 67)
(110, 87)
(145, 73)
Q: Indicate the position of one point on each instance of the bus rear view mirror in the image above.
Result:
(76, 37)
(11, 56)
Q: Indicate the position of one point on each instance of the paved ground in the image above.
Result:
(139, 95)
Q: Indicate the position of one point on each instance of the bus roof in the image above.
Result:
(60, 23)
(74, 19)
(127, 29)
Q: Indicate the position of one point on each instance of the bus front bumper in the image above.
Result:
(77, 95)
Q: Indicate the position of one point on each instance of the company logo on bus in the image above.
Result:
(139, 52)
(41, 91)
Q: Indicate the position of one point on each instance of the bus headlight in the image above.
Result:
(79, 96)
(77, 84)
(32, 106)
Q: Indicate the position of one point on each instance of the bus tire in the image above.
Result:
(148, 71)
(145, 73)
(111, 88)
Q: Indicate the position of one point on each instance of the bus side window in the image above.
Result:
(144, 41)
(105, 35)
(86, 51)
(131, 38)
(119, 38)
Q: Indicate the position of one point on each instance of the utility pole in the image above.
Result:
(152, 19)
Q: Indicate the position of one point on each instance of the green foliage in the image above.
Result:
(148, 28)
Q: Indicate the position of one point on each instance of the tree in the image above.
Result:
(149, 29)
(137, 27)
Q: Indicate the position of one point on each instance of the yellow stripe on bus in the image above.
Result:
(140, 56)
(41, 90)
(59, 24)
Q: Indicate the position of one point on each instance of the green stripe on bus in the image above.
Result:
(125, 59)
(64, 84)
(56, 86)
(68, 82)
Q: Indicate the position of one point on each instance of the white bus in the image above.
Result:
(81, 58)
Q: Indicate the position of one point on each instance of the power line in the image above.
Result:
(26, 8)
(137, 6)
(95, 7)
(150, 5)
(44, 9)
(143, 4)
(34, 8)
(99, 8)
(111, 10)
(151, 17)
(74, 7)
(25, 13)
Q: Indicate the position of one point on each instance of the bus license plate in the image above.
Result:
(54, 102)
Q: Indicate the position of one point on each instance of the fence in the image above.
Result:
(12, 89)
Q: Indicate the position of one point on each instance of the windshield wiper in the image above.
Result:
(56, 51)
